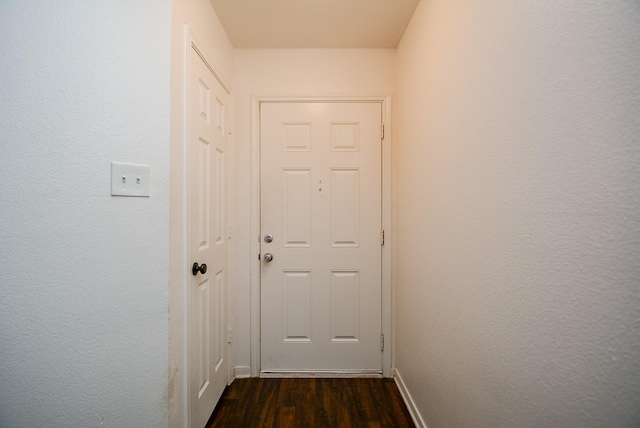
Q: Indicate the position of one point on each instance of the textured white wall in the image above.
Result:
(83, 275)
(517, 155)
(206, 27)
(286, 72)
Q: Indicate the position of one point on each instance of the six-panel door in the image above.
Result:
(321, 202)
(208, 242)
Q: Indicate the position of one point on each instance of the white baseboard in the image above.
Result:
(408, 400)
(240, 372)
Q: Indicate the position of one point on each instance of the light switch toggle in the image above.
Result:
(121, 186)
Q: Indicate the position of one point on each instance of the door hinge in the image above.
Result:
(229, 128)
(229, 336)
(229, 231)
(382, 237)
(382, 131)
(382, 342)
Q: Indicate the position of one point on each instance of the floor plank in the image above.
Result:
(315, 402)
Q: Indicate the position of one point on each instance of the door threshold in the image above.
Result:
(320, 373)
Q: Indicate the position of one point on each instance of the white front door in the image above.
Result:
(321, 206)
(208, 243)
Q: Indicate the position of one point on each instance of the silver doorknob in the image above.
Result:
(268, 238)
(268, 257)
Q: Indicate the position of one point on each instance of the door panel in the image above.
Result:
(296, 213)
(344, 217)
(321, 201)
(208, 205)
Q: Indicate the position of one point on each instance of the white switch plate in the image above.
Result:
(130, 180)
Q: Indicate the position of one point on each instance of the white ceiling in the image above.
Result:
(314, 23)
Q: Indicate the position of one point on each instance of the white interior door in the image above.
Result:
(321, 203)
(208, 243)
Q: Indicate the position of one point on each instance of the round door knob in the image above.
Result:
(268, 238)
(202, 268)
(268, 257)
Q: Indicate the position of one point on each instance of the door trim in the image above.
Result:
(388, 309)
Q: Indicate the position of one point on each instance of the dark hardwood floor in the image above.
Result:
(354, 402)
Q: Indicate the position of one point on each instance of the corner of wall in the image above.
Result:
(200, 18)
(408, 400)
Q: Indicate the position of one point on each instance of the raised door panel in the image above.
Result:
(345, 207)
(296, 207)
(345, 306)
(296, 306)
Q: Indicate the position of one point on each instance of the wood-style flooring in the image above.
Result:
(306, 403)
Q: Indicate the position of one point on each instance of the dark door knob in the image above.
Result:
(202, 268)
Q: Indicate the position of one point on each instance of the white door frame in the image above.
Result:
(193, 43)
(388, 310)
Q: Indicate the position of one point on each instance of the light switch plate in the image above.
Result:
(130, 180)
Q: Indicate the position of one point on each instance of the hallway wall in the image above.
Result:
(83, 275)
(516, 171)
